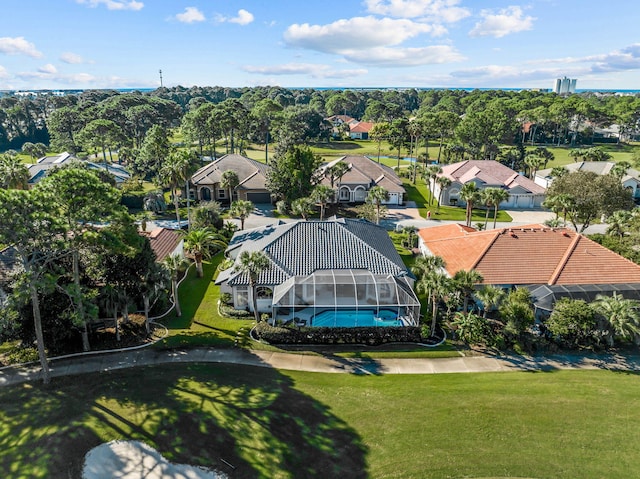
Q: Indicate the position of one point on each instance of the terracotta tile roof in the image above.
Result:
(532, 254)
(164, 241)
(489, 173)
(361, 127)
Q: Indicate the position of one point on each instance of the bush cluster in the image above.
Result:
(230, 312)
(371, 335)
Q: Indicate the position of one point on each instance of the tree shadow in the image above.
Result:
(248, 422)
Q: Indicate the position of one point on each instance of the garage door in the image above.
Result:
(259, 197)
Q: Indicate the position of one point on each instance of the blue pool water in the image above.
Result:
(352, 318)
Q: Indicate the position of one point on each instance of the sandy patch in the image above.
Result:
(136, 460)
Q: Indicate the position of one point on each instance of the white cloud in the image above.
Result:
(18, 46)
(3, 72)
(405, 57)
(114, 4)
(242, 18)
(504, 22)
(311, 69)
(190, 15)
(355, 33)
(619, 60)
(71, 58)
(48, 69)
(446, 11)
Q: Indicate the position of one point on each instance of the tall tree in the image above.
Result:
(253, 264)
(443, 183)
(175, 265)
(465, 281)
(378, 133)
(82, 199)
(25, 216)
(377, 196)
(200, 243)
(102, 135)
(230, 181)
(174, 172)
(492, 197)
(469, 193)
(293, 174)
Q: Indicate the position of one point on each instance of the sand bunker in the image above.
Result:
(136, 460)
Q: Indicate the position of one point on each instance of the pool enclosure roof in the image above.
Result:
(334, 288)
(545, 296)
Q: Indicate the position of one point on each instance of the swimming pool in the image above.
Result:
(352, 318)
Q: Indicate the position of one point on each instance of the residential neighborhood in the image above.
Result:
(251, 275)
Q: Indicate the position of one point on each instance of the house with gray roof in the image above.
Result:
(41, 168)
(362, 174)
(339, 272)
(252, 176)
(523, 192)
(630, 178)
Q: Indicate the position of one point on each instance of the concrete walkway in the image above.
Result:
(328, 363)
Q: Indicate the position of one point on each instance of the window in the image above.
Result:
(264, 292)
(222, 194)
(242, 297)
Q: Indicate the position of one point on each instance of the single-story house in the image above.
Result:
(360, 130)
(362, 175)
(630, 180)
(39, 170)
(252, 176)
(339, 272)
(551, 262)
(523, 192)
(165, 242)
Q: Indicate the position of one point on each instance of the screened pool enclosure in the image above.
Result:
(346, 298)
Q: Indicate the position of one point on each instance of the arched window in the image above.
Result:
(264, 292)
(345, 194)
(205, 194)
(360, 194)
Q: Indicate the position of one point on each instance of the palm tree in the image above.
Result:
(199, 242)
(490, 296)
(622, 315)
(175, 264)
(302, 207)
(469, 194)
(322, 195)
(13, 173)
(241, 209)
(618, 223)
(336, 172)
(465, 281)
(230, 181)
(620, 169)
(376, 196)
(534, 162)
(493, 197)
(443, 183)
(174, 172)
(425, 264)
(252, 264)
(558, 172)
(436, 286)
(432, 172)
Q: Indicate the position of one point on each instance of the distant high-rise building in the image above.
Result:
(565, 86)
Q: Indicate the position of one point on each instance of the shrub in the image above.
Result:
(282, 208)
(371, 336)
(229, 311)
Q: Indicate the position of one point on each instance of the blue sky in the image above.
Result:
(51, 44)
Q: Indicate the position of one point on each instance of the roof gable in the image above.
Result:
(489, 173)
(250, 172)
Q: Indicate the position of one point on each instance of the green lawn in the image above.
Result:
(421, 195)
(274, 424)
(619, 153)
(200, 323)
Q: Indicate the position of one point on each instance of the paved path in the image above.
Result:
(316, 363)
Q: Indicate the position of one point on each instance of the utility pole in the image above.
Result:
(160, 78)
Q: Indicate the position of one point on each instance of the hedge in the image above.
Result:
(370, 335)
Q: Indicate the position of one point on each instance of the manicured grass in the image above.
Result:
(618, 153)
(275, 424)
(200, 323)
(420, 194)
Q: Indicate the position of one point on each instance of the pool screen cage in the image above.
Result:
(302, 297)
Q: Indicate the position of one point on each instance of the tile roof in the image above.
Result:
(489, 173)
(361, 127)
(364, 170)
(251, 174)
(597, 167)
(39, 170)
(303, 247)
(532, 254)
(164, 241)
